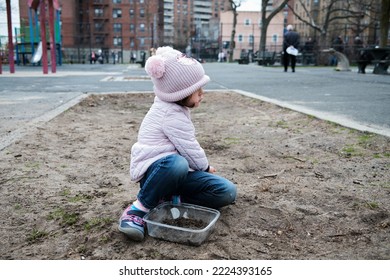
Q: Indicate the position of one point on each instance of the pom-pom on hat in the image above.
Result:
(174, 75)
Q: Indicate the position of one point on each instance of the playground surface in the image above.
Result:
(307, 188)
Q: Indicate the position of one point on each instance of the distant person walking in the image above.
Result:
(291, 39)
(113, 55)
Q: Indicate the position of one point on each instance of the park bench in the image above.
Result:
(265, 58)
(244, 57)
(308, 58)
(244, 60)
(379, 57)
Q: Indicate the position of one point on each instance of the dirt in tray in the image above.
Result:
(307, 188)
(186, 223)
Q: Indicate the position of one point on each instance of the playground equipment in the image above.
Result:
(35, 4)
(10, 45)
(41, 4)
(38, 54)
(27, 40)
(342, 60)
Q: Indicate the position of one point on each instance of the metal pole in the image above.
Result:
(1, 59)
(43, 37)
(253, 38)
(10, 40)
(31, 31)
(121, 43)
(52, 39)
(58, 21)
(17, 47)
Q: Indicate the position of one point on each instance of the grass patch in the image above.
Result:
(351, 151)
(80, 197)
(282, 124)
(65, 192)
(104, 239)
(32, 165)
(75, 198)
(232, 140)
(65, 218)
(365, 139)
(335, 128)
(36, 235)
(98, 223)
(372, 205)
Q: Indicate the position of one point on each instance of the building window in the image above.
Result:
(99, 40)
(116, 1)
(98, 12)
(247, 22)
(116, 13)
(142, 27)
(132, 27)
(118, 27)
(142, 41)
(132, 43)
(99, 26)
(240, 38)
(141, 12)
(117, 41)
(251, 39)
(131, 12)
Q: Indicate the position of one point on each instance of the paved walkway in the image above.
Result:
(28, 97)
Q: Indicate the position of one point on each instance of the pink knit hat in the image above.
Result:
(174, 75)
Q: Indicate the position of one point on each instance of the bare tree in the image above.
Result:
(384, 22)
(265, 20)
(335, 12)
(234, 4)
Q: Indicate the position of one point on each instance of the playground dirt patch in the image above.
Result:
(307, 188)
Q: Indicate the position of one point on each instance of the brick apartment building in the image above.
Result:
(120, 26)
(193, 26)
(127, 27)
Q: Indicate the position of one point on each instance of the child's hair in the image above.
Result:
(183, 102)
(174, 75)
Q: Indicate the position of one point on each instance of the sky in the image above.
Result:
(3, 16)
(246, 5)
(250, 5)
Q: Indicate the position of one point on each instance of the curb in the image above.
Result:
(37, 122)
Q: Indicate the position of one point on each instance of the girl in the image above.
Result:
(167, 160)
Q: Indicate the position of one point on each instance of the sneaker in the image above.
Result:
(132, 224)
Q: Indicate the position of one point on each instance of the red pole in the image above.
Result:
(52, 38)
(10, 40)
(43, 37)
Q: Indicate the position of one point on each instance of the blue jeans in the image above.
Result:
(170, 176)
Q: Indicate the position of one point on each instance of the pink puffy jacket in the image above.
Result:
(166, 129)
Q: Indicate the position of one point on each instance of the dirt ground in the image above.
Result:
(307, 188)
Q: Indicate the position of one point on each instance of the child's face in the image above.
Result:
(194, 100)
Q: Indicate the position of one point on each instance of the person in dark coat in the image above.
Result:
(291, 38)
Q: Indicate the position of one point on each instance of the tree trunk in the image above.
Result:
(264, 26)
(233, 6)
(265, 21)
(384, 24)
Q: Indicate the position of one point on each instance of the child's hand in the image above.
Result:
(212, 169)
